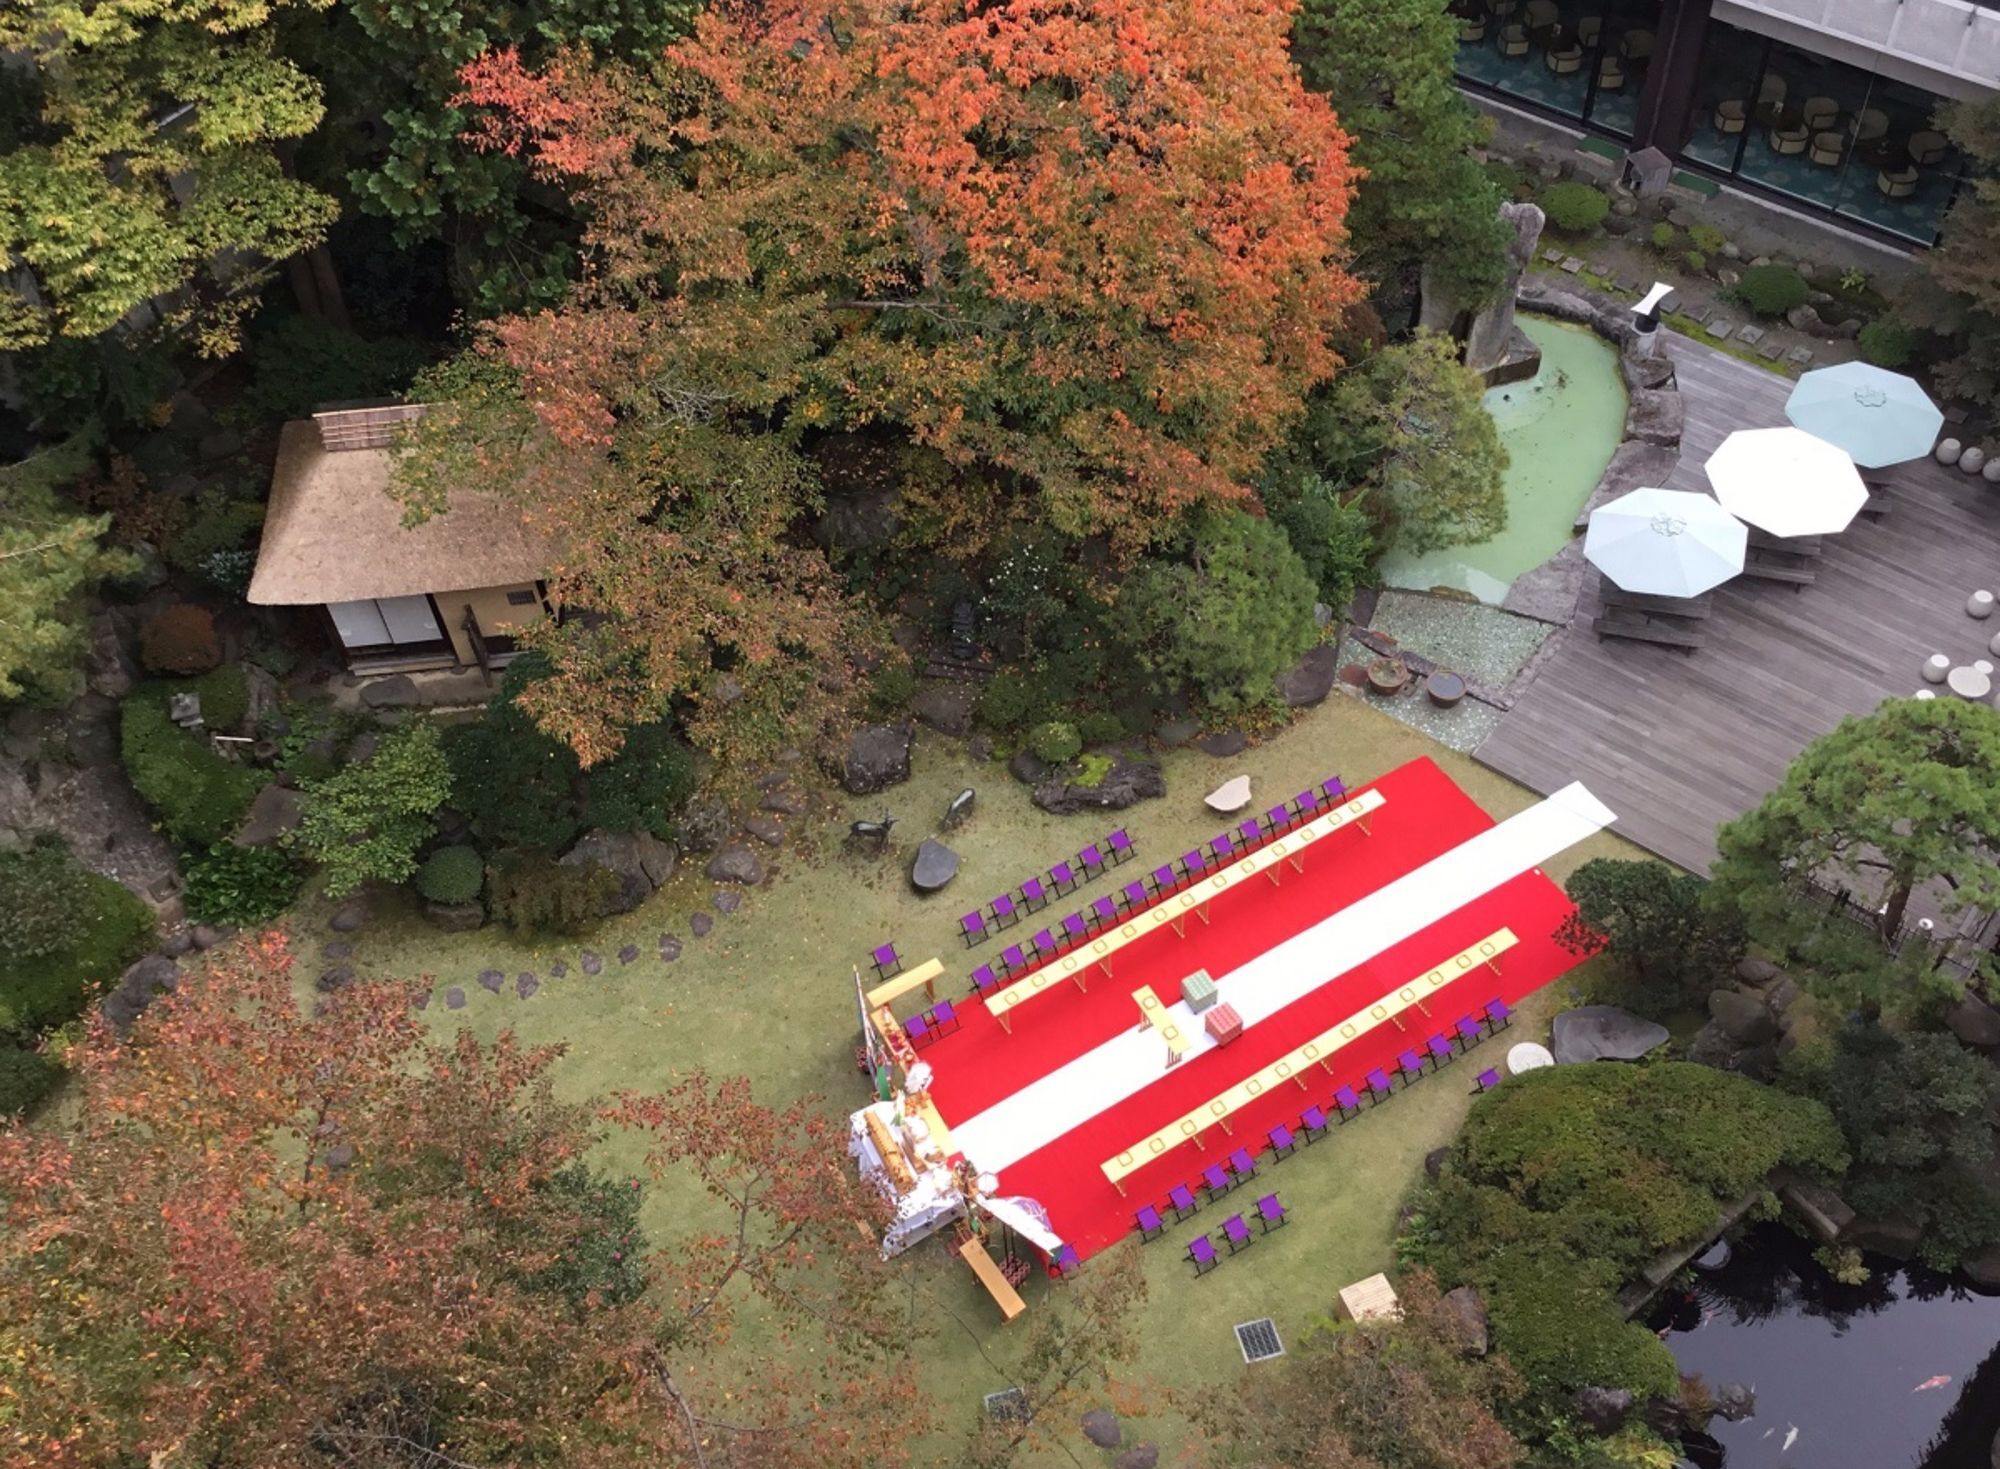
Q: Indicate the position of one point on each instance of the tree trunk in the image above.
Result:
(300, 275)
(1898, 904)
(332, 304)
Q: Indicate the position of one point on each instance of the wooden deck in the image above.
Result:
(1677, 744)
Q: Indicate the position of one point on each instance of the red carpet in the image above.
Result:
(1425, 815)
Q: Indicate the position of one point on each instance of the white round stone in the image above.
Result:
(1972, 460)
(1969, 683)
(1992, 470)
(1948, 451)
(1979, 604)
(1924, 694)
(1936, 667)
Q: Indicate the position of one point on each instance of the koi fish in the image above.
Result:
(1791, 1437)
(1930, 1382)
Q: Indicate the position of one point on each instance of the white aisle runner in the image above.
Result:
(1100, 1079)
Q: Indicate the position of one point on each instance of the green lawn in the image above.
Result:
(770, 994)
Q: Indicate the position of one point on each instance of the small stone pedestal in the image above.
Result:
(1223, 1024)
(1199, 990)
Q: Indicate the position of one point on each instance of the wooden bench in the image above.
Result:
(1642, 629)
(1806, 546)
(1794, 571)
(997, 1285)
(1615, 599)
(1881, 499)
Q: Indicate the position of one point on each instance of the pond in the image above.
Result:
(1900, 1372)
(1561, 428)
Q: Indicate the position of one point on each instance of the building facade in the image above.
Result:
(1826, 105)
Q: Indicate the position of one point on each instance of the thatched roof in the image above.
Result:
(333, 534)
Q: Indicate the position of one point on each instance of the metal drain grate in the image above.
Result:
(1010, 1405)
(1259, 1340)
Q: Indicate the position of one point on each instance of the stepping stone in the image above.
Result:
(1722, 331)
(627, 954)
(348, 919)
(1699, 313)
(700, 924)
(1626, 282)
(336, 951)
(783, 802)
(491, 980)
(525, 984)
(1670, 303)
(1750, 335)
(1800, 356)
(935, 866)
(1771, 349)
(728, 900)
(454, 998)
(558, 970)
(1571, 265)
(591, 963)
(1603, 1033)
(767, 829)
(670, 948)
(424, 1000)
(337, 978)
(1553, 257)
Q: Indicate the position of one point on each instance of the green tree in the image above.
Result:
(1224, 623)
(1388, 68)
(516, 785)
(1410, 430)
(148, 150)
(1331, 532)
(1956, 293)
(1915, 1109)
(1667, 948)
(367, 821)
(49, 557)
(1893, 803)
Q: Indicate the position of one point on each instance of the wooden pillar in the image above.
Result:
(1667, 103)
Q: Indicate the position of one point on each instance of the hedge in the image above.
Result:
(113, 927)
(199, 797)
(451, 875)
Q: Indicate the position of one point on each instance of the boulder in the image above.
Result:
(1758, 973)
(1434, 1162)
(339, 977)
(1465, 1316)
(1603, 1410)
(1781, 996)
(276, 810)
(878, 756)
(1100, 1426)
(1823, 1211)
(1743, 1017)
(456, 917)
(1029, 768)
(946, 705)
(1142, 1456)
(1976, 1023)
(208, 935)
(1714, 1046)
(1734, 1402)
(1655, 416)
(106, 668)
(153, 975)
(934, 868)
(734, 862)
(1646, 374)
(640, 862)
(1804, 318)
(980, 747)
(1307, 682)
(1603, 1033)
(1176, 730)
(1223, 743)
(1893, 1235)
(399, 691)
(766, 829)
(349, 918)
(1126, 783)
(1983, 1269)
(703, 824)
(177, 944)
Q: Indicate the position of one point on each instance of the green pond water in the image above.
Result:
(1560, 428)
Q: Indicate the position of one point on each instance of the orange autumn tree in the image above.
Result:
(281, 1237)
(1089, 257)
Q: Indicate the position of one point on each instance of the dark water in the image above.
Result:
(1844, 1365)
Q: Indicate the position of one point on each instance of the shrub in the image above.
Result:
(368, 821)
(302, 362)
(1055, 742)
(111, 927)
(604, 1252)
(893, 686)
(42, 895)
(199, 797)
(1010, 702)
(1707, 238)
(1100, 727)
(239, 887)
(216, 524)
(531, 892)
(1667, 949)
(1887, 344)
(1091, 770)
(225, 697)
(1665, 237)
(180, 639)
(1575, 208)
(26, 1076)
(451, 875)
(642, 786)
(1772, 290)
(1333, 536)
(516, 785)
(1697, 261)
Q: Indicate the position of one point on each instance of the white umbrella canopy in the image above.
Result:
(1786, 481)
(1879, 417)
(1668, 543)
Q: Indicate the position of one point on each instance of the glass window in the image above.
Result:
(1807, 121)
(1731, 62)
(1624, 34)
(1903, 173)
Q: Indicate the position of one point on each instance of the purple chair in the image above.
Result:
(1193, 863)
(1034, 897)
(1488, 1079)
(1065, 1260)
(1132, 895)
(1411, 1065)
(1076, 927)
(1251, 833)
(1216, 1179)
(1012, 959)
(1151, 1227)
(887, 962)
(1106, 912)
(1202, 1254)
(918, 1032)
(1334, 790)
(944, 1017)
(1347, 1102)
(1277, 819)
(1237, 1233)
(1312, 1122)
(1062, 877)
(1441, 1050)
(1119, 845)
(1164, 880)
(1498, 1013)
(1002, 909)
(1044, 943)
(1282, 1140)
(1379, 1085)
(1183, 1200)
(1470, 1031)
(1308, 803)
(984, 979)
(1091, 859)
(1244, 1165)
(1223, 848)
(1270, 1213)
(972, 928)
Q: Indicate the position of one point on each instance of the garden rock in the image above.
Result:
(559, 970)
(640, 862)
(704, 823)
(1742, 1017)
(1307, 682)
(1976, 1023)
(1176, 730)
(1434, 1162)
(1100, 1426)
(980, 747)
(766, 829)
(1223, 744)
(454, 998)
(339, 951)
(782, 800)
(1465, 1311)
(670, 948)
(627, 954)
(1647, 374)
(1029, 768)
(1893, 1235)
(699, 924)
(348, 919)
(337, 978)
(275, 811)
(1804, 318)
(153, 975)
(592, 964)
(735, 863)
(181, 942)
(878, 756)
(1983, 1270)
(1758, 972)
(208, 935)
(1603, 1409)
(1139, 1456)
(1714, 1046)
(396, 692)
(934, 868)
(456, 917)
(1735, 1402)
(1603, 1033)
(946, 705)
(727, 900)
(491, 980)
(1128, 782)
(1655, 416)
